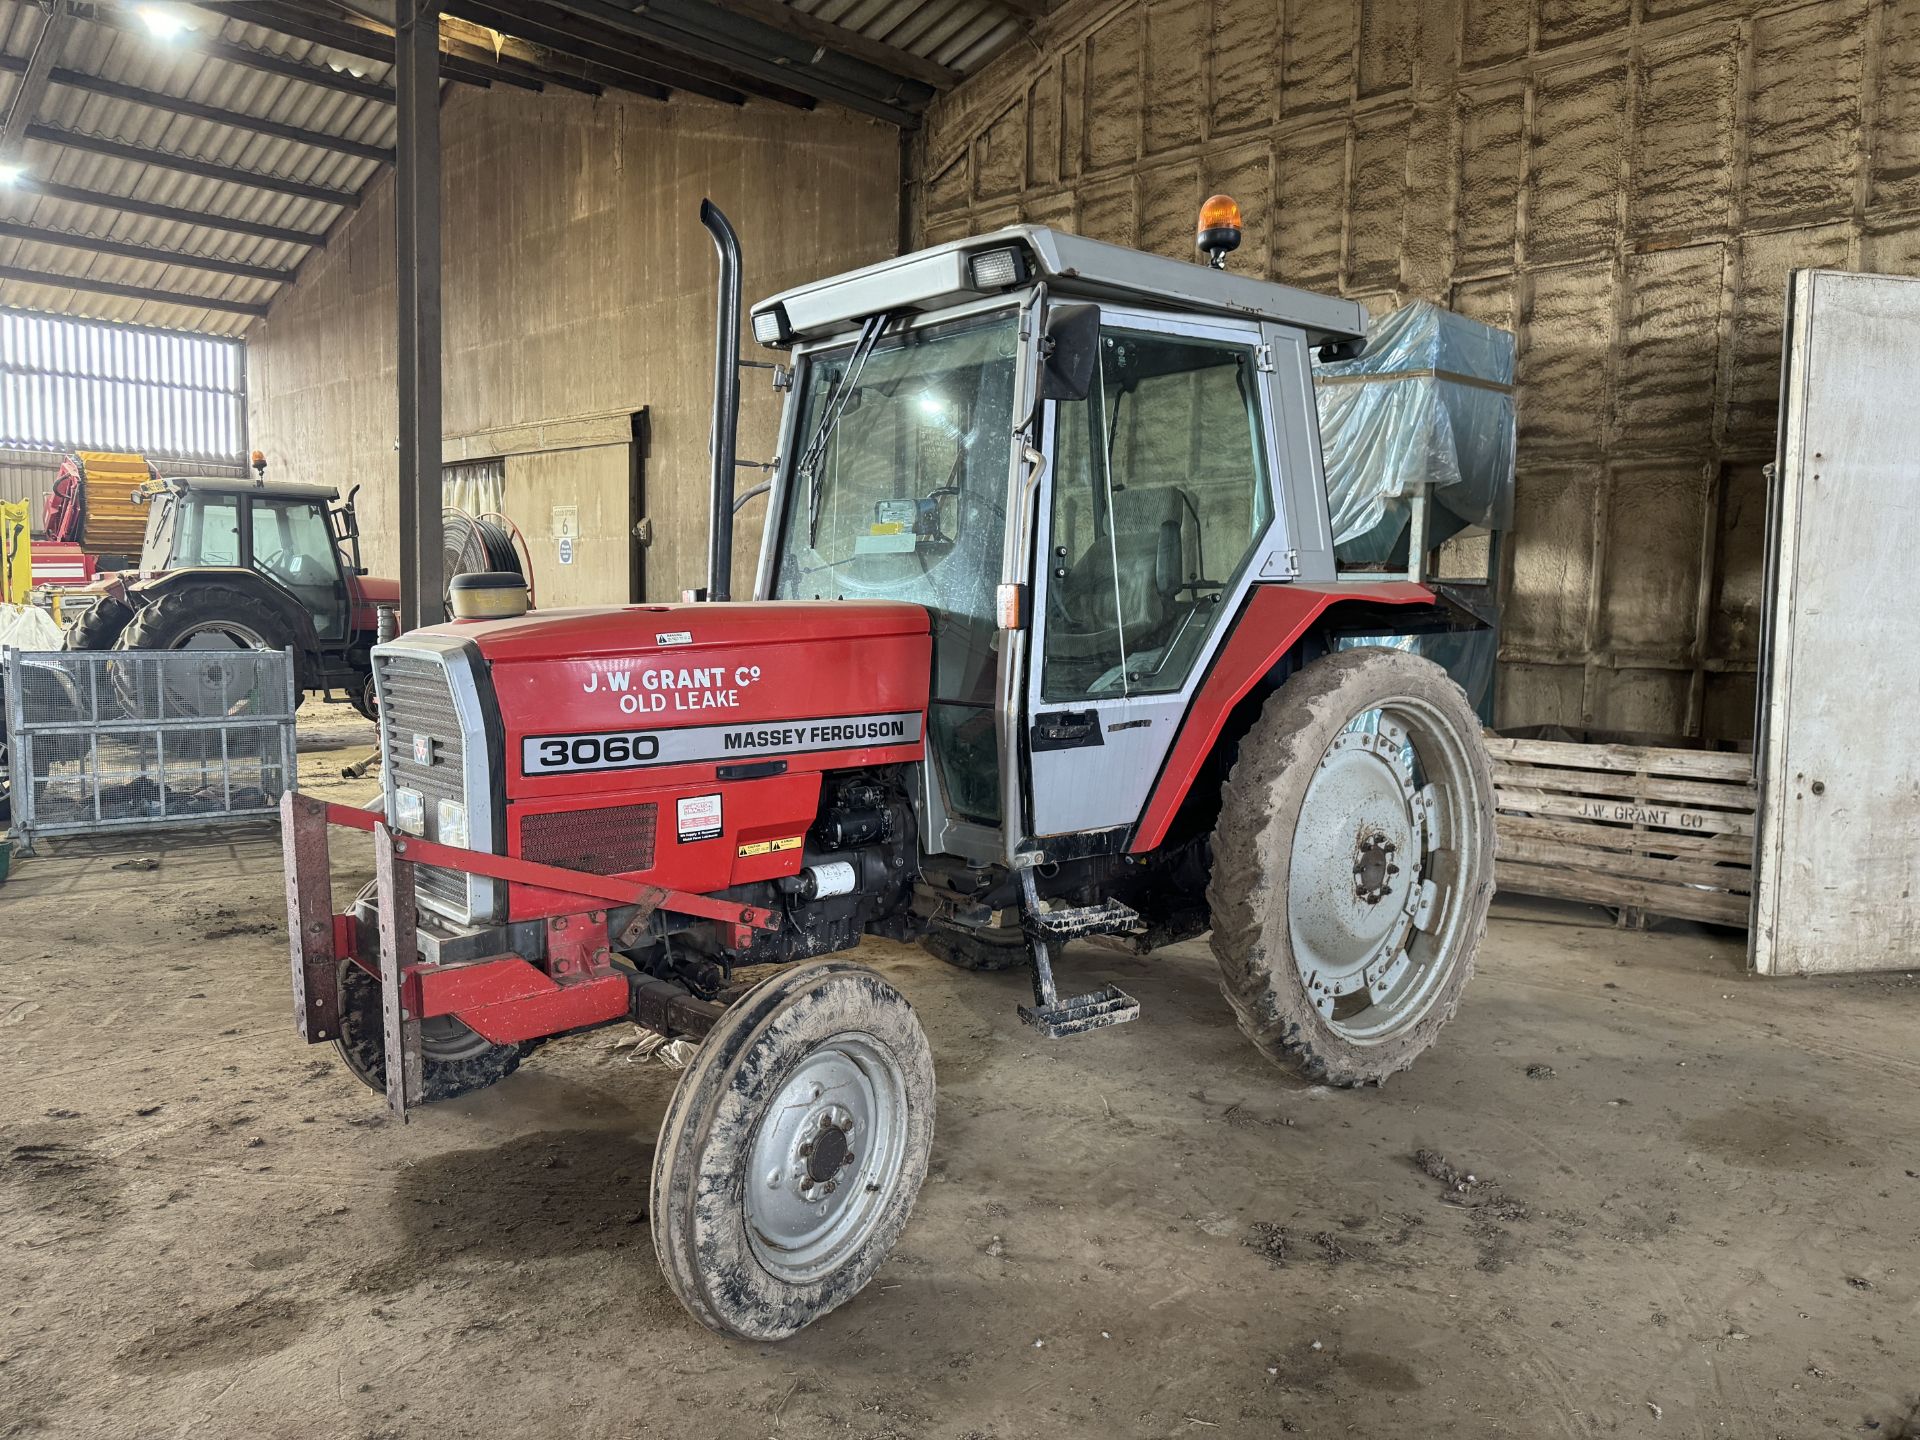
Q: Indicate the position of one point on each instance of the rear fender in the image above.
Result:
(1265, 634)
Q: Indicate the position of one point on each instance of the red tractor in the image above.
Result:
(1044, 645)
(246, 565)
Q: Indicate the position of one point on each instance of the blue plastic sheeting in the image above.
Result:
(1466, 655)
(1428, 405)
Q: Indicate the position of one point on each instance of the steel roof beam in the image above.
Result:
(357, 38)
(604, 47)
(1031, 9)
(548, 61)
(35, 78)
(797, 22)
(252, 59)
(75, 195)
(778, 64)
(791, 55)
(173, 104)
(130, 292)
(188, 165)
(34, 234)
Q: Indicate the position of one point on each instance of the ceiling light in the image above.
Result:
(12, 173)
(163, 22)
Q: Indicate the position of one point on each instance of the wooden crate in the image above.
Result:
(1645, 830)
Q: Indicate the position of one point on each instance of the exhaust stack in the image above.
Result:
(726, 403)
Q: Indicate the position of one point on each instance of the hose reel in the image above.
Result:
(483, 544)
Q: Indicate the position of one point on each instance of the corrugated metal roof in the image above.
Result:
(959, 34)
(751, 43)
(181, 71)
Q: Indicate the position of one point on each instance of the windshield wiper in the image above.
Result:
(808, 468)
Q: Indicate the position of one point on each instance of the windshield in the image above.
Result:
(156, 549)
(904, 497)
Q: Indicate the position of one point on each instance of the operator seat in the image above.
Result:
(1157, 546)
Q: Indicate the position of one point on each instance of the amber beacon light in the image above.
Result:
(1219, 231)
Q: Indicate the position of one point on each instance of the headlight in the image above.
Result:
(409, 811)
(453, 824)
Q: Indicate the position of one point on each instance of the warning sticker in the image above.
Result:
(698, 817)
(770, 847)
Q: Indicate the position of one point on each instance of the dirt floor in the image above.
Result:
(1693, 1210)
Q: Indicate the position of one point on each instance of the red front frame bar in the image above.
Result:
(504, 998)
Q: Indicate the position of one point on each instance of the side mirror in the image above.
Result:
(1069, 352)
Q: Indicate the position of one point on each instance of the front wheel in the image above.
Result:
(1353, 865)
(970, 949)
(454, 1060)
(792, 1151)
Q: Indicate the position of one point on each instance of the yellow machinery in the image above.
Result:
(99, 502)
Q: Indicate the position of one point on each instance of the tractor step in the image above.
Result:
(1109, 917)
(1109, 1005)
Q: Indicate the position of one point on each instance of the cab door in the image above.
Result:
(291, 543)
(1157, 513)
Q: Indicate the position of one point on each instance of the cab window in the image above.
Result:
(209, 531)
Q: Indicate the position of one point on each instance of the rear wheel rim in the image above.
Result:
(213, 681)
(221, 635)
(826, 1159)
(1379, 885)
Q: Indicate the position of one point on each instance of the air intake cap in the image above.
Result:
(488, 595)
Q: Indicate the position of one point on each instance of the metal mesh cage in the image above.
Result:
(110, 739)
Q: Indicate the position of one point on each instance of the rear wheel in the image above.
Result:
(1353, 865)
(98, 626)
(219, 621)
(454, 1060)
(792, 1151)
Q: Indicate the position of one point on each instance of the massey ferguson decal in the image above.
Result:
(657, 688)
(644, 749)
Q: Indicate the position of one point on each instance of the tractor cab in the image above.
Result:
(1080, 459)
(293, 535)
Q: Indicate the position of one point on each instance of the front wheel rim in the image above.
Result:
(1382, 869)
(826, 1159)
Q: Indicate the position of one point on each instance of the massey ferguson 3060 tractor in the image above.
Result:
(1043, 646)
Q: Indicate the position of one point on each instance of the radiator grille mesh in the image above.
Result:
(416, 698)
(611, 841)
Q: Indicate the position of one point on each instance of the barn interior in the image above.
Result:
(438, 276)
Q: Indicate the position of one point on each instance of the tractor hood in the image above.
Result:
(759, 678)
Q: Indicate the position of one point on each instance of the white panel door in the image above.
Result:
(1838, 863)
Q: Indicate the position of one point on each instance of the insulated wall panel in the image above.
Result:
(1625, 183)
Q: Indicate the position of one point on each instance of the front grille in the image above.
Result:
(416, 698)
(614, 841)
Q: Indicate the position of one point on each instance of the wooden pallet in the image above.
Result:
(1645, 830)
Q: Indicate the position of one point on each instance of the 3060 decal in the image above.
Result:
(549, 754)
